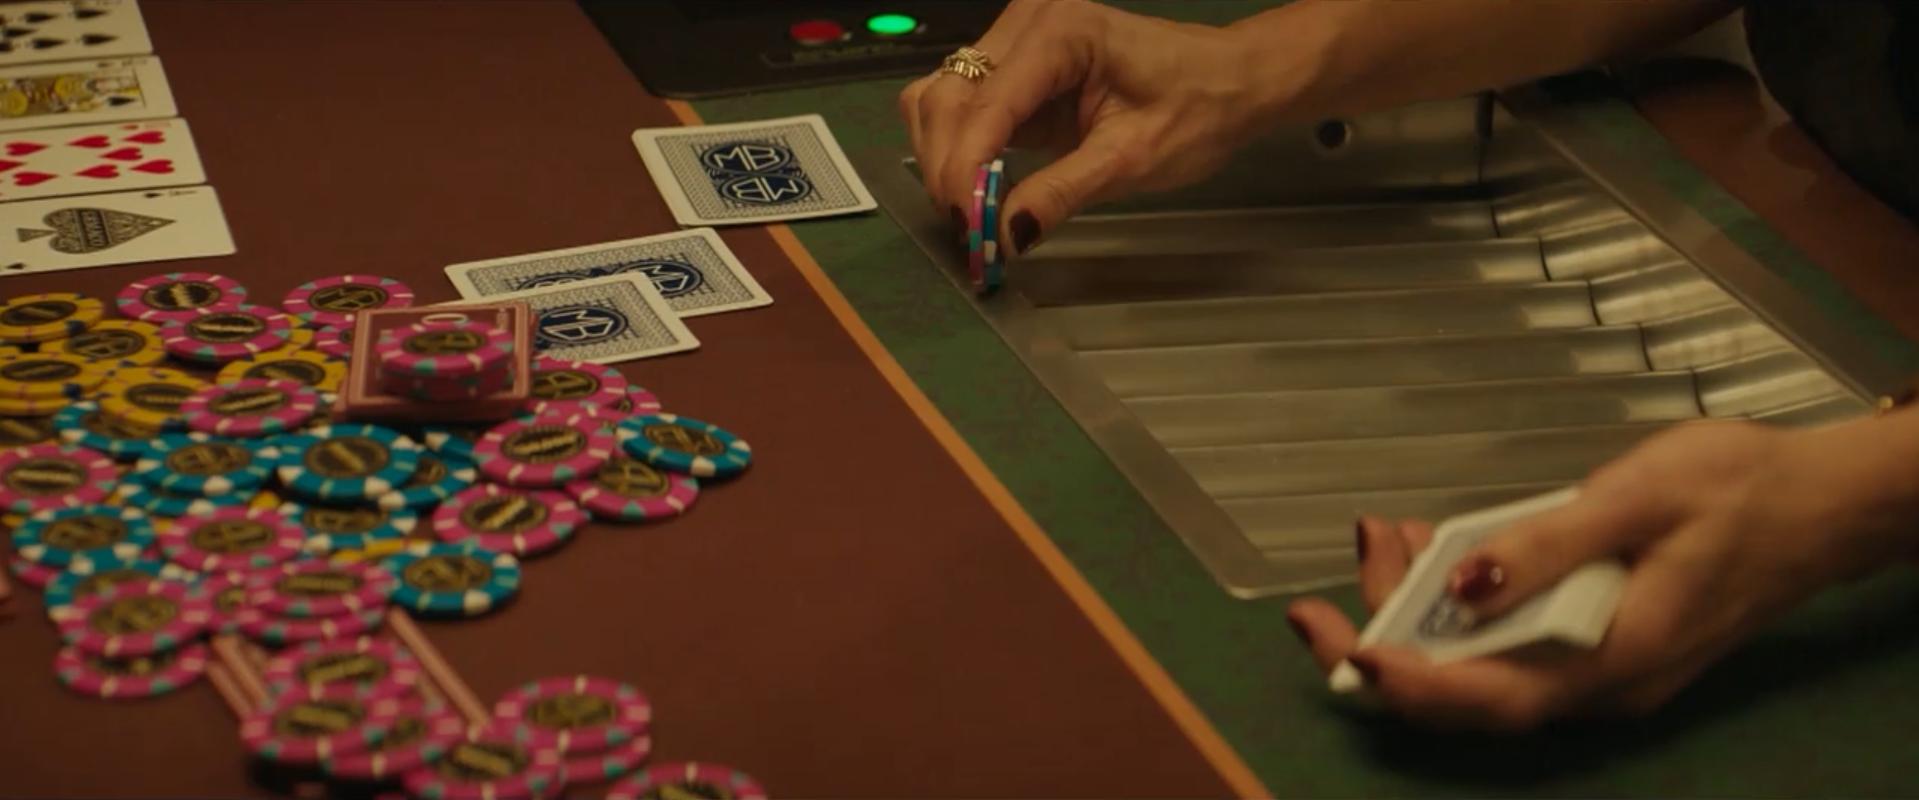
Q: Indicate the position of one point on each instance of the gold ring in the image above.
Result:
(968, 63)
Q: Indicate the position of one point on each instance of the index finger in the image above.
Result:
(1050, 57)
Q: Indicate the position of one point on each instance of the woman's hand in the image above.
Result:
(1724, 527)
(1130, 102)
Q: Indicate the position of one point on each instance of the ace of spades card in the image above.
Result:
(99, 230)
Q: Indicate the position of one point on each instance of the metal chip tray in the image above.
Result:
(1415, 313)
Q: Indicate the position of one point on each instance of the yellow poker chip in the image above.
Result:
(309, 367)
(117, 342)
(32, 406)
(264, 498)
(374, 550)
(42, 317)
(48, 375)
(149, 396)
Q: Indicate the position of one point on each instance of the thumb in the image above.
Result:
(1056, 192)
(1533, 554)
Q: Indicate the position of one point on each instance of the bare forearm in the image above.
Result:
(1322, 58)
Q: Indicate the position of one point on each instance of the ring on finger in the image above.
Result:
(968, 62)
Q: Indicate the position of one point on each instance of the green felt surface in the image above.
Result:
(1820, 705)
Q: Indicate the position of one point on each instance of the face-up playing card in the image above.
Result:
(603, 320)
(694, 270)
(97, 230)
(98, 158)
(749, 172)
(83, 92)
(63, 31)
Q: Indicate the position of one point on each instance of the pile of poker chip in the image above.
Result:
(985, 259)
(358, 714)
(190, 453)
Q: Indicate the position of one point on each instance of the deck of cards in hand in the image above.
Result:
(1421, 614)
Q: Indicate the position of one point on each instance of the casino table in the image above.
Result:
(931, 583)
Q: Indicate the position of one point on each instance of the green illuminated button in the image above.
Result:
(892, 24)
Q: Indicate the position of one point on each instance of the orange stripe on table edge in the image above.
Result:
(1160, 685)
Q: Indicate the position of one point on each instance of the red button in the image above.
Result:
(816, 31)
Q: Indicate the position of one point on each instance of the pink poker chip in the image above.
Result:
(138, 676)
(692, 779)
(374, 668)
(444, 351)
(975, 234)
(575, 713)
(268, 628)
(32, 574)
(320, 588)
(227, 593)
(559, 380)
(573, 412)
(251, 407)
(226, 333)
(628, 489)
(503, 519)
(137, 618)
(51, 475)
(604, 765)
(639, 401)
(333, 301)
(421, 734)
(232, 538)
(335, 341)
(178, 296)
(538, 453)
(488, 764)
(307, 726)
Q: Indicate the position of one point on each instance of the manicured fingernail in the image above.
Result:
(1299, 630)
(959, 219)
(1476, 579)
(1025, 232)
(1359, 538)
(1368, 668)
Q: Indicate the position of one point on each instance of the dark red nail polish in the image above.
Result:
(1025, 232)
(1477, 579)
(1359, 538)
(959, 220)
(1368, 668)
(1299, 630)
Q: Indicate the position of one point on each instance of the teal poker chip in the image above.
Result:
(84, 424)
(162, 503)
(79, 537)
(685, 445)
(993, 254)
(205, 465)
(332, 528)
(440, 476)
(450, 440)
(453, 580)
(71, 585)
(347, 462)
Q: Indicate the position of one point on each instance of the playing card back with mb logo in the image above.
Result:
(752, 172)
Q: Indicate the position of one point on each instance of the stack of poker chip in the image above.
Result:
(985, 258)
(445, 361)
(600, 727)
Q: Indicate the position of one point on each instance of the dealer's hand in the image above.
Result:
(1130, 102)
(1724, 525)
